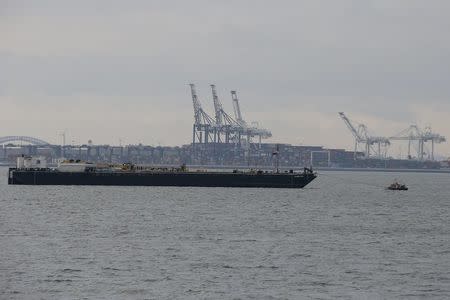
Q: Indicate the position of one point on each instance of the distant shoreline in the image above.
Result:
(284, 168)
(442, 171)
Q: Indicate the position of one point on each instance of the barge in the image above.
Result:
(80, 173)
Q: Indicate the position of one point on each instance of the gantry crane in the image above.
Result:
(203, 127)
(251, 130)
(414, 133)
(362, 136)
(237, 109)
(428, 135)
(222, 118)
(222, 128)
(225, 125)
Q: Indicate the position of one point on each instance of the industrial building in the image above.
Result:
(222, 139)
(268, 155)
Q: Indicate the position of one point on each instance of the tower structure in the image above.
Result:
(373, 145)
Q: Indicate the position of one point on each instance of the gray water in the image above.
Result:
(343, 236)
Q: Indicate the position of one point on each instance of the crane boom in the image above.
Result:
(196, 104)
(200, 116)
(362, 135)
(237, 108)
(351, 127)
(222, 118)
(217, 106)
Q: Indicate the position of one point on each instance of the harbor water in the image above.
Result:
(344, 236)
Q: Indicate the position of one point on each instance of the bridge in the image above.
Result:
(23, 139)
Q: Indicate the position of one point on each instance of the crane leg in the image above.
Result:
(432, 150)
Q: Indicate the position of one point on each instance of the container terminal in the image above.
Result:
(224, 140)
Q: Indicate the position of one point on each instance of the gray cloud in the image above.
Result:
(376, 59)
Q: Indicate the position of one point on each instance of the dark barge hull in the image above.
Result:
(200, 179)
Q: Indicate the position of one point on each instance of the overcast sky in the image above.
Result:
(110, 70)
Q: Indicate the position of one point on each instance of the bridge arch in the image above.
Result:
(21, 138)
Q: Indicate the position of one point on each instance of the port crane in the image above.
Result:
(372, 144)
(414, 134)
(237, 109)
(227, 129)
(251, 130)
(222, 118)
(220, 135)
(203, 128)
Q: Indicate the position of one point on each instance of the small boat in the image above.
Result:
(395, 186)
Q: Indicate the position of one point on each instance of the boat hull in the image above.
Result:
(397, 189)
(200, 179)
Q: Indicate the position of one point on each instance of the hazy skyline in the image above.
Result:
(110, 70)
